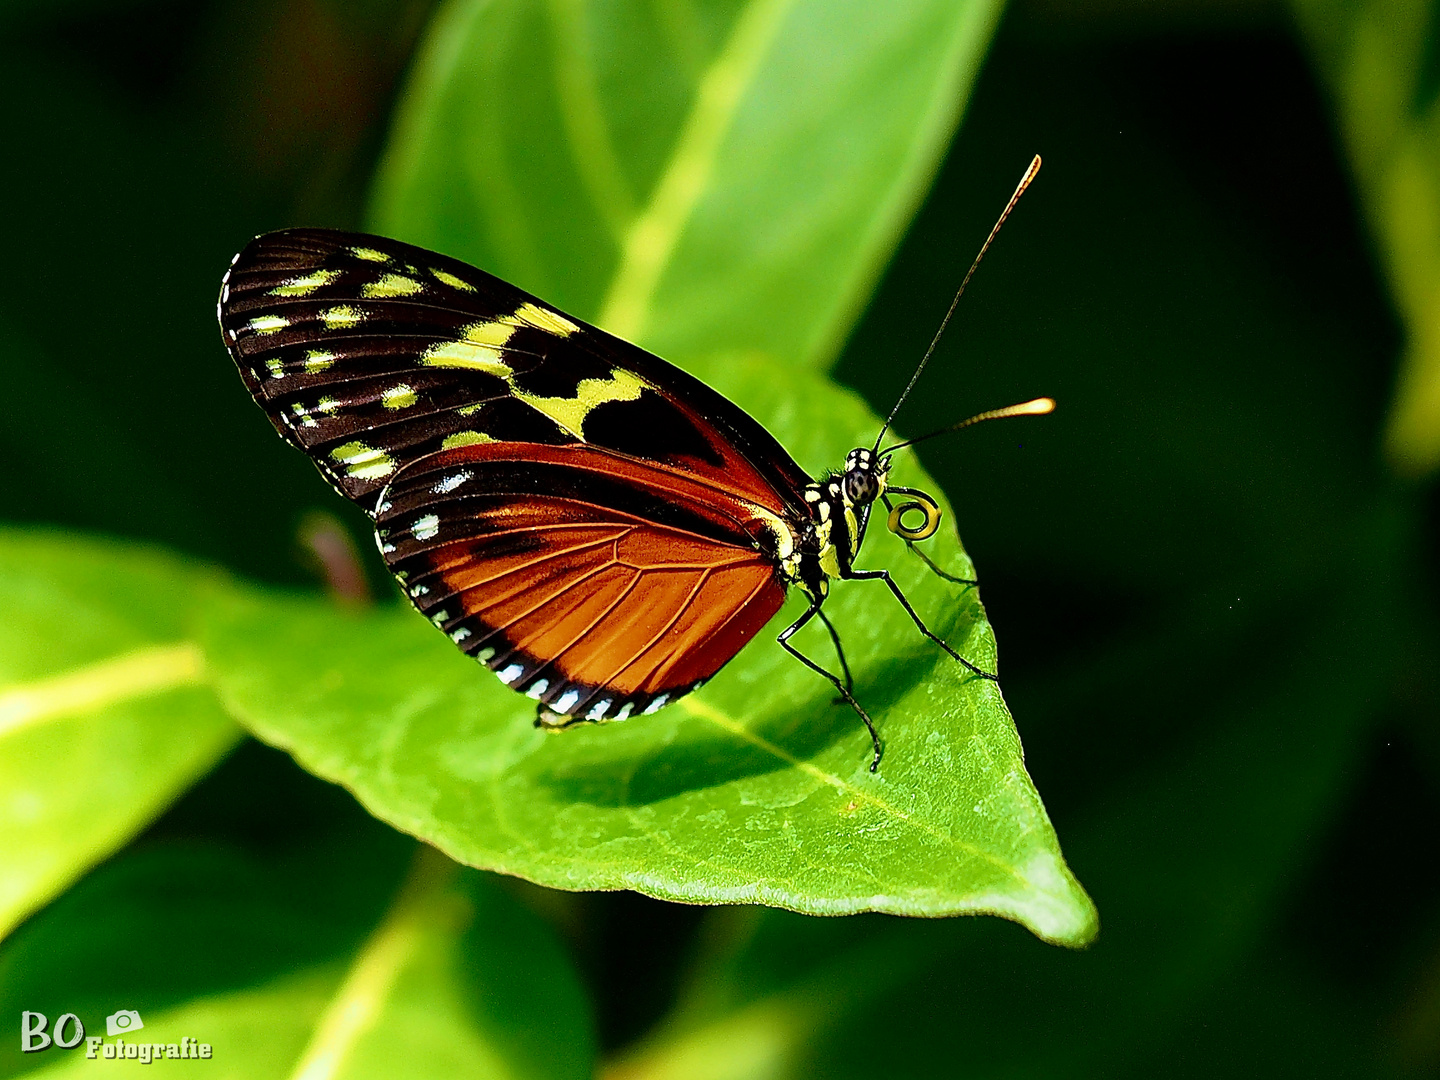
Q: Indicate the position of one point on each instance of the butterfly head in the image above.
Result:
(865, 476)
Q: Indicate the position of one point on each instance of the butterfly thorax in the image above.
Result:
(839, 505)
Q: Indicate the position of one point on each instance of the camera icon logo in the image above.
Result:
(123, 1021)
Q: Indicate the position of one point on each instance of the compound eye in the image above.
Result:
(860, 486)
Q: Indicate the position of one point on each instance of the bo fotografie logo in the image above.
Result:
(69, 1030)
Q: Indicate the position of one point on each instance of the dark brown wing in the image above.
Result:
(369, 354)
(597, 584)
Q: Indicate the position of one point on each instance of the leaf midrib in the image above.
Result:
(728, 723)
(95, 686)
(650, 239)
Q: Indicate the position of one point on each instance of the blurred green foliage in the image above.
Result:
(1215, 605)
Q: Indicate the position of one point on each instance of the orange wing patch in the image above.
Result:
(600, 587)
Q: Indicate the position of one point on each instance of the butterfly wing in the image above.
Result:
(597, 584)
(369, 354)
(599, 527)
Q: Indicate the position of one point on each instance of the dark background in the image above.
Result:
(1215, 605)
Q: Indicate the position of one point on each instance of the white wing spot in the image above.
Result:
(539, 687)
(656, 705)
(460, 635)
(485, 654)
(597, 711)
(511, 674)
(453, 481)
(566, 701)
(426, 527)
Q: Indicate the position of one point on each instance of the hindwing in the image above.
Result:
(599, 585)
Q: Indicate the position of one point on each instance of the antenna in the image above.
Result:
(1038, 407)
(1015, 198)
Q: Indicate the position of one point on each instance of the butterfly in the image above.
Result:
(599, 528)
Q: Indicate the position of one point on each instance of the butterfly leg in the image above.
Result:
(849, 698)
(935, 567)
(884, 575)
(926, 558)
(839, 651)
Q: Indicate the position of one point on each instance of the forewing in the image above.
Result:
(369, 354)
(595, 584)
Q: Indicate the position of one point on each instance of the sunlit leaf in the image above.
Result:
(104, 715)
(757, 789)
(450, 978)
(696, 178)
(722, 185)
(1169, 855)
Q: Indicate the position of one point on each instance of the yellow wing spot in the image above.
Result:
(478, 348)
(462, 354)
(465, 438)
(267, 324)
(446, 278)
(369, 254)
(398, 397)
(275, 368)
(304, 286)
(363, 462)
(337, 318)
(570, 413)
(317, 360)
(545, 319)
(490, 333)
(391, 285)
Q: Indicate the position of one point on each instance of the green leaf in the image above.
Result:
(104, 715)
(451, 978)
(1379, 58)
(757, 789)
(1190, 860)
(694, 178)
(724, 187)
